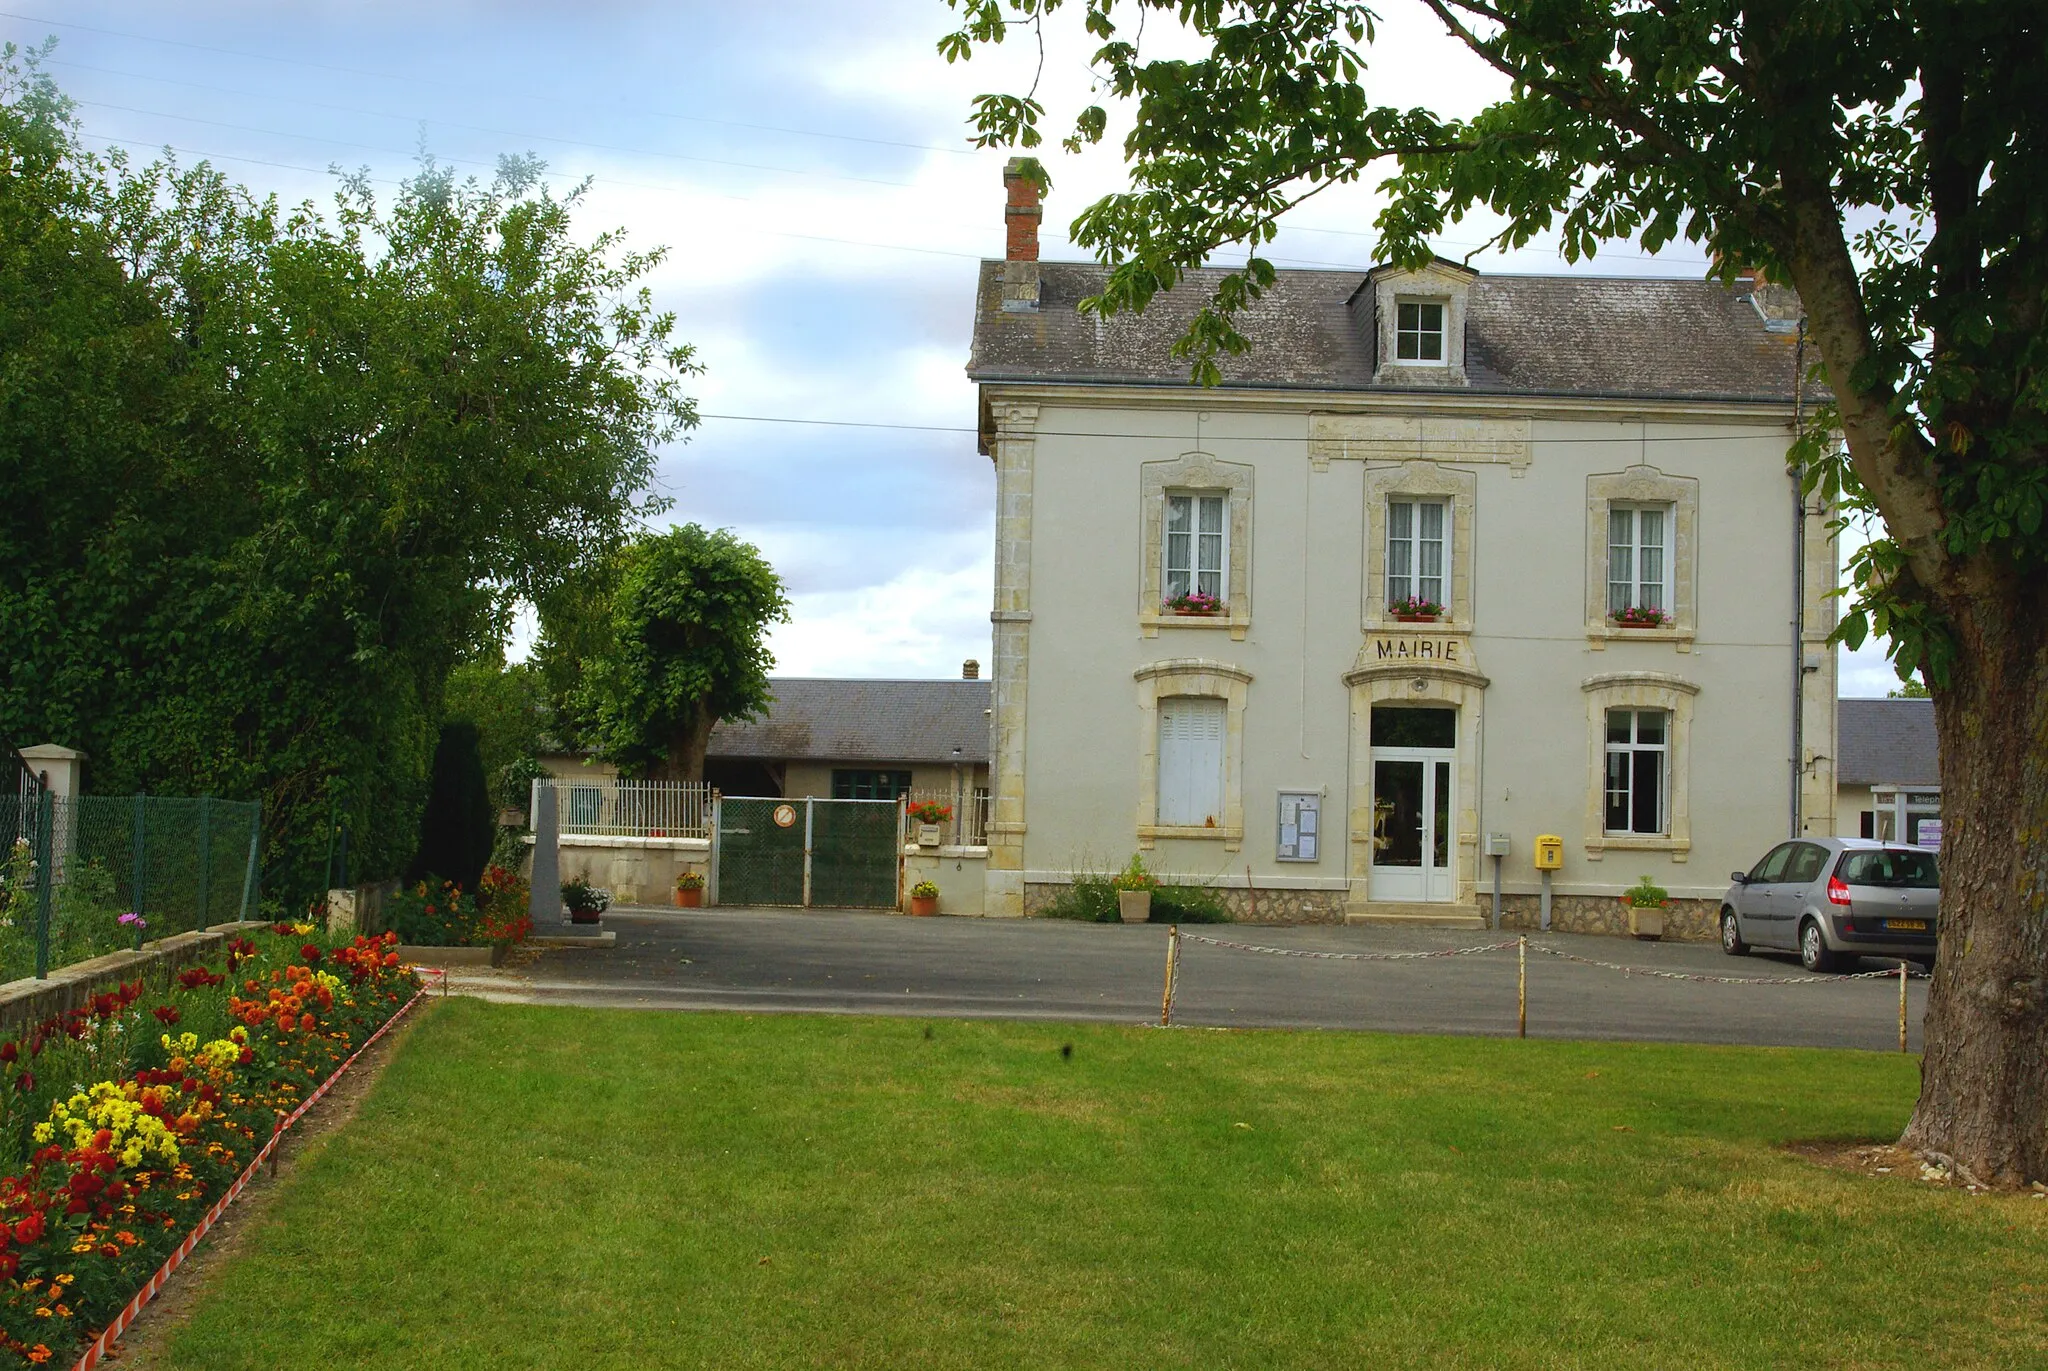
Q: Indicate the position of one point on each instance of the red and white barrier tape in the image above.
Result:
(113, 1331)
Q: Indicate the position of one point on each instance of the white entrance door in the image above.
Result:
(1412, 807)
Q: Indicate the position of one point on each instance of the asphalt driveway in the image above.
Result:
(878, 963)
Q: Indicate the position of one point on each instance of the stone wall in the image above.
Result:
(639, 871)
(28, 1002)
(1684, 921)
(1270, 906)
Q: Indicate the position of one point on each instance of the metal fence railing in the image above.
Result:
(967, 825)
(607, 807)
(85, 875)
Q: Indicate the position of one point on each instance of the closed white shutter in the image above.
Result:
(1191, 761)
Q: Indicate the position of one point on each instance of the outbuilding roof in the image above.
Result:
(1625, 337)
(826, 720)
(1886, 742)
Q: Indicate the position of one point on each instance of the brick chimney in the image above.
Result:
(1020, 247)
(970, 670)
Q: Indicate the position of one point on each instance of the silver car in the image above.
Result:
(1833, 900)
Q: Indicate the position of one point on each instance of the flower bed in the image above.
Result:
(124, 1122)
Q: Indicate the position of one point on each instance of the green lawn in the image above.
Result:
(585, 1189)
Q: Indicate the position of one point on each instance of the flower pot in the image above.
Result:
(1418, 618)
(1134, 906)
(690, 899)
(1196, 613)
(1646, 922)
(928, 835)
(1626, 623)
(585, 916)
(924, 906)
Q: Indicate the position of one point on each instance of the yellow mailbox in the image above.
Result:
(1549, 852)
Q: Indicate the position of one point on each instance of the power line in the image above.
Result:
(464, 90)
(1420, 443)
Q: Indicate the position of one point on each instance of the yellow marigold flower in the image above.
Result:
(66, 1278)
(43, 1311)
(44, 1132)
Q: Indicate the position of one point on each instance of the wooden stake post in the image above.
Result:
(1902, 1006)
(1172, 956)
(1522, 987)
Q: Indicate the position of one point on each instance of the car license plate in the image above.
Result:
(1907, 925)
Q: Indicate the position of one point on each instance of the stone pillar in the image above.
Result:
(1015, 447)
(545, 903)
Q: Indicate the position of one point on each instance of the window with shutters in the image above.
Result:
(1191, 739)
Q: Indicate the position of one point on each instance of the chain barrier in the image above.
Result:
(1347, 956)
(1522, 947)
(1890, 973)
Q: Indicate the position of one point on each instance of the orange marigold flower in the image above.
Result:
(39, 1354)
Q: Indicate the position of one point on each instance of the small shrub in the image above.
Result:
(690, 880)
(925, 890)
(1135, 876)
(1647, 894)
(1091, 898)
(580, 896)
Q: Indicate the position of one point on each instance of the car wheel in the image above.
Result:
(1731, 935)
(1813, 948)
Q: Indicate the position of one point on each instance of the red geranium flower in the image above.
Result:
(310, 952)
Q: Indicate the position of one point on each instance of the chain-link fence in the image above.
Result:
(85, 875)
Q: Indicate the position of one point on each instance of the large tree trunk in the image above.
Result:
(1984, 1077)
(685, 760)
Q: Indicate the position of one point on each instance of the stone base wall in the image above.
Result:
(638, 871)
(28, 1002)
(1245, 906)
(1684, 920)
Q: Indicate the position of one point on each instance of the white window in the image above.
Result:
(1191, 735)
(1638, 558)
(1197, 551)
(1638, 748)
(1418, 551)
(1419, 331)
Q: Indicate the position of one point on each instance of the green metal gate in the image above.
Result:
(807, 853)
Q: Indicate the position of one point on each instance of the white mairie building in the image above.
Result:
(1213, 631)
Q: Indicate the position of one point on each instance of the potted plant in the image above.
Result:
(1134, 886)
(1194, 602)
(1637, 617)
(1416, 610)
(690, 890)
(585, 902)
(1646, 902)
(924, 898)
(929, 816)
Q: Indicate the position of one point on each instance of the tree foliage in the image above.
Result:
(689, 618)
(272, 472)
(1889, 161)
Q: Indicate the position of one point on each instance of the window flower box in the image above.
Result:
(1640, 618)
(1416, 610)
(1194, 604)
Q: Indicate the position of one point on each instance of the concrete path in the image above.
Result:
(869, 963)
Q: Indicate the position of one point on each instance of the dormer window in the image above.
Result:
(1419, 332)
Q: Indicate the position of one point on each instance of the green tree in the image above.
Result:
(272, 473)
(689, 622)
(509, 707)
(1886, 161)
(1912, 688)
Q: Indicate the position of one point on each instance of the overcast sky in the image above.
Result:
(806, 164)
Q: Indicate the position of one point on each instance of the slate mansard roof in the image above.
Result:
(1623, 337)
(1886, 742)
(814, 719)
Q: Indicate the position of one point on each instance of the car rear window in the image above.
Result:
(1893, 868)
